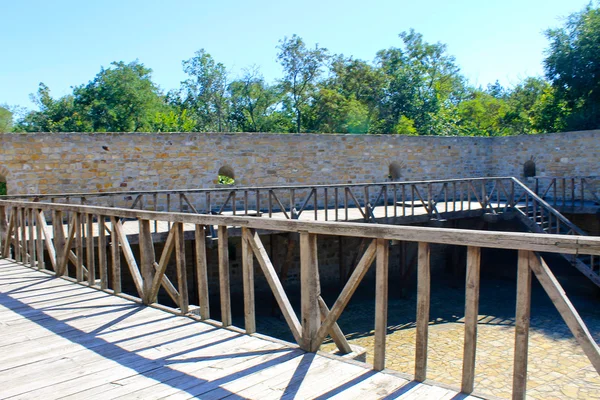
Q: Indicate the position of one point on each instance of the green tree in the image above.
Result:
(301, 68)
(54, 115)
(6, 117)
(347, 101)
(120, 99)
(572, 65)
(173, 119)
(422, 81)
(204, 93)
(332, 112)
(255, 104)
(523, 108)
(482, 115)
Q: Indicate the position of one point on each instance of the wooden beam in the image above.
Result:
(522, 325)
(3, 226)
(423, 301)
(181, 268)
(335, 332)
(471, 318)
(166, 283)
(89, 250)
(31, 239)
(275, 285)
(309, 291)
(161, 267)
(342, 301)
(64, 258)
(566, 309)
(23, 230)
(8, 237)
(16, 240)
(39, 239)
(78, 247)
(381, 303)
(146, 259)
(130, 259)
(248, 281)
(115, 256)
(202, 271)
(224, 284)
(102, 258)
(58, 236)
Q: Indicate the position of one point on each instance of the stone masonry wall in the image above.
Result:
(87, 162)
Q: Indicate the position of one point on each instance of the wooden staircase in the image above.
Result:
(540, 217)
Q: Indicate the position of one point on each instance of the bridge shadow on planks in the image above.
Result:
(157, 354)
(132, 359)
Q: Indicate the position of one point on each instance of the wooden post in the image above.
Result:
(522, 325)
(39, 250)
(248, 277)
(471, 318)
(10, 232)
(31, 242)
(78, 248)
(23, 225)
(381, 303)
(58, 234)
(309, 278)
(367, 214)
(201, 271)
(115, 256)
(181, 269)
(3, 228)
(89, 249)
(423, 300)
(224, 285)
(147, 260)
(102, 259)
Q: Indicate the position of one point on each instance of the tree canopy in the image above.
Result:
(412, 88)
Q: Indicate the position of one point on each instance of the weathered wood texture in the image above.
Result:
(148, 353)
(423, 302)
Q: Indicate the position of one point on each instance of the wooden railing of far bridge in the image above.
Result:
(433, 198)
(89, 253)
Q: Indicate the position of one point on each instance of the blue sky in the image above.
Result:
(64, 43)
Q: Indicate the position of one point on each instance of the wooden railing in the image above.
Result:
(97, 236)
(434, 198)
(539, 216)
(568, 191)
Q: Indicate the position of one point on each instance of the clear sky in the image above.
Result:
(64, 43)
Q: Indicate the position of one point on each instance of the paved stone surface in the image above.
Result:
(558, 368)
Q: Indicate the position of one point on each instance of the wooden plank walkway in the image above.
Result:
(60, 339)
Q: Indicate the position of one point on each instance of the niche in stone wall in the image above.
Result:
(395, 170)
(226, 176)
(3, 174)
(529, 168)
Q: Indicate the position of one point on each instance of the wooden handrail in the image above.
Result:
(549, 208)
(40, 196)
(568, 244)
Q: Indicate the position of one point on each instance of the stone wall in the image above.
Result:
(80, 162)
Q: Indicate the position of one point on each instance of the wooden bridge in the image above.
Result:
(68, 330)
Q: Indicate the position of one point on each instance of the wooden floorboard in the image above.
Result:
(60, 339)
